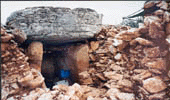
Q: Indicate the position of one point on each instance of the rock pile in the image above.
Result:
(135, 61)
(16, 73)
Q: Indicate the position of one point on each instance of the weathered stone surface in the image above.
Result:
(152, 52)
(85, 78)
(4, 46)
(143, 30)
(141, 41)
(20, 36)
(166, 17)
(159, 63)
(116, 67)
(159, 13)
(33, 80)
(168, 28)
(35, 54)
(100, 76)
(149, 4)
(45, 96)
(149, 19)
(142, 75)
(113, 75)
(158, 96)
(94, 45)
(112, 92)
(77, 59)
(118, 56)
(56, 25)
(127, 35)
(163, 5)
(156, 31)
(7, 38)
(125, 83)
(154, 85)
(120, 44)
(125, 96)
(112, 49)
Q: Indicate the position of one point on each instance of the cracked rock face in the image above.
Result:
(56, 25)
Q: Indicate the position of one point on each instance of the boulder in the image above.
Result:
(149, 19)
(85, 78)
(152, 52)
(158, 63)
(77, 59)
(33, 80)
(20, 36)
(127, 35)
(113, 75)
(94, 45)
(141, 41)
(56, 25)
(156, 31)
(35, 54)
(125, 96)
(154, 84)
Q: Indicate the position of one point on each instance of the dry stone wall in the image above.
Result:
(16, 74)
(133, 62)
(56, 25)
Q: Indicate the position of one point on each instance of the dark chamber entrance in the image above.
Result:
(54, 68)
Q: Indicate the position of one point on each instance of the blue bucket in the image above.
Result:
(64, 73)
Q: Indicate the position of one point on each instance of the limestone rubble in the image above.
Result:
(125, 64)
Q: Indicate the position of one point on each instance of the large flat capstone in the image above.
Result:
(56, 25)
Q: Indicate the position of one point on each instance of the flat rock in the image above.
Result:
(127, 35)
(158, 63)
(125, 96)
(158, 96)
(85, 78)
(118, 56)
(113, 75)
(45, 96)
(94, 45)
(154, 84)
(112, 92)
(152, 52)
(125, 83)
(141, 76)
(141, 41)
(56, 25)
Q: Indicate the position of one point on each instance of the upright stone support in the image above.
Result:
(77, 60)
(35, 54)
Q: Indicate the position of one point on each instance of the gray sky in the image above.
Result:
(113, 11)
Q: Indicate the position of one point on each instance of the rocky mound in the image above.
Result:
(125, 64)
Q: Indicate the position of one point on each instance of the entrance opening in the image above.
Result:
(55, 69)
(61, 64)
